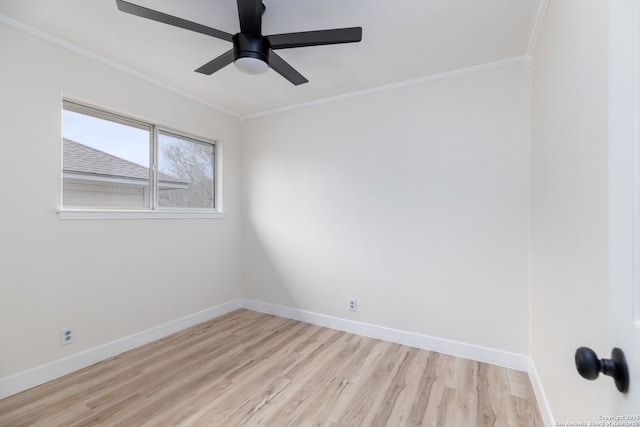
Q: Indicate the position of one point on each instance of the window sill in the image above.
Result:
(136, 214)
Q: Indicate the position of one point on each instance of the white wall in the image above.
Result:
(569, 301)
(108, 278)
(414, 200)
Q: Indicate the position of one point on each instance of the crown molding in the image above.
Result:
(537, 26)
(525, 59)
(105, 61)
(407, 83)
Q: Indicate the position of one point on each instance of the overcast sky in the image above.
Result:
(119, 140)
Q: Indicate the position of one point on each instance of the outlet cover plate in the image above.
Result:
(67, 335)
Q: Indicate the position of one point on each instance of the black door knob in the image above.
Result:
(589, 366)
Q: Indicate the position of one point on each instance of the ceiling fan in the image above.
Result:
(252, 52)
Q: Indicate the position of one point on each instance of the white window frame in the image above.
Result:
(153, 211)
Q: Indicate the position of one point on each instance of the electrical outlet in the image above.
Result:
(67, 336)
(353, 303)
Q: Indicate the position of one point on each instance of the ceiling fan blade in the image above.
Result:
(315, 38)
(154, 15)
(250, 14)
(283, 68)
(216, 64)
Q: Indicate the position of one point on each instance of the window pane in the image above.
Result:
(105, 160)
(185, 172)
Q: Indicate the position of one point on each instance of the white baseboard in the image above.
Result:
(468, 351)
(39, 375)
(42, 374)
(541, 397)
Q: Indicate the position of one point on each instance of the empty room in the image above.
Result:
(332, 213)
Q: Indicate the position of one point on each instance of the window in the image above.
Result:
(112, 163)
(190, 161)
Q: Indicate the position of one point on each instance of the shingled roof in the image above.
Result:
(81, 160)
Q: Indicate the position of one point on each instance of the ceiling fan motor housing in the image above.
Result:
(252, 52)
(247, 45)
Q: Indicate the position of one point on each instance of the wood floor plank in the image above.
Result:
(310, 402)
(252, 369)
(213, 388)
(393, 390)
(412, 402)
(304, 397)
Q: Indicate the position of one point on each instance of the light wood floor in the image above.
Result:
(252, 369)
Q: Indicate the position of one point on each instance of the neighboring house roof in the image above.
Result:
(83, 162)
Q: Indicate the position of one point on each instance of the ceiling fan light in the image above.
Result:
(251, 65)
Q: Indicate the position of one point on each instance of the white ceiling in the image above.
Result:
(402, 40)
